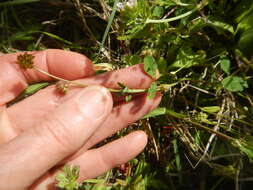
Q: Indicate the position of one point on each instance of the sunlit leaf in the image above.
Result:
(225, 65)
(150, 66)
(35, 87)
(158, 11)
(187, 58)
(210, 109)
(234, 83)
(156, 112)
(152, 90)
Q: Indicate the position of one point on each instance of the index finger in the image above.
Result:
(64, 64)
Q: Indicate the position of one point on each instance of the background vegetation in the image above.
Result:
(201, 136)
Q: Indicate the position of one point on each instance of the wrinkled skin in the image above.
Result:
(41, 133)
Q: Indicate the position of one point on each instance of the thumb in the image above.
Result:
(61, 133)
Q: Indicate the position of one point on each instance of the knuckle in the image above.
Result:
(56, 133)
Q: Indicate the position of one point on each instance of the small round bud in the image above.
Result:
(62, 87)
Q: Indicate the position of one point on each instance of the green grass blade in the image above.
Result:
(17, 2)
(109, 24)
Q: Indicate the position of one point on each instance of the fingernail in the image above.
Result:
(89, 68)
(94, 102)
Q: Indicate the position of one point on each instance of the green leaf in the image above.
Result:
(246, 41)
(246, 148)
(150, 66)
(133, 59)
(158, 11)
(163, 111)
(156, 112)
(219, 24)
(34, 88)
(174, 114)
(67, 179)
(210, 109)
(228, 171)
(128, 98)
(196, 25)
(225, 65)
(245, 20)
(162, 65)
(17, 2)
(187, 58)
(152, 90)
(234, 83)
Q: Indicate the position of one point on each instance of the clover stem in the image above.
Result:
(48, 74)
(59, 78)
(154, 21)
(130, 91)
(25, 61)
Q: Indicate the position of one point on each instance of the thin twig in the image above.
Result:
(86, 27)
(201, 90)
(153, 139)
(237, 184)
(216, 128)
(169, 13)
(224, 156)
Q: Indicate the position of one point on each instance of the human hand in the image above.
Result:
(46, 130)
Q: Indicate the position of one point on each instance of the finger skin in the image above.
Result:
(65, 64)
(59, 135)
(95, 162)
(36, 107)
(6, 130)
(122, 116)
(44, 101)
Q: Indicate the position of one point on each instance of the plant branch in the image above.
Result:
(198, 7)
(155, 21)
(129, 91)
(50, 75)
